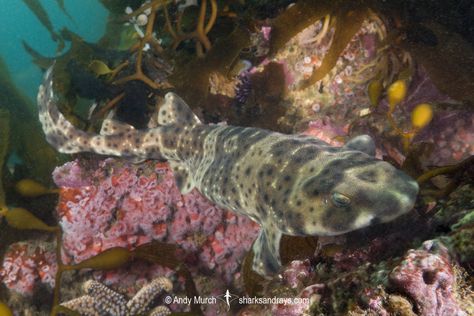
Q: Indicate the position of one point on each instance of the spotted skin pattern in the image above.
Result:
(289, 184)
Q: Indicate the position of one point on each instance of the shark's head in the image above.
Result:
(354, 190)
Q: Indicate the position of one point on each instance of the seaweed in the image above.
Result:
(39, 11)
(348, 23)
(75, 78)
(148, 38)
(460, 174)
(165, 254)
(112, 258)
(4, 142)
(29, 142)
(297, 248)
(450, 63)
(295, 19)
(191, 77)
(63, 8)
(116, 7)
(199, 35)
(39, 60)
(253, 282)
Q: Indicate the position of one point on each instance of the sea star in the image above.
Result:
(100, 300)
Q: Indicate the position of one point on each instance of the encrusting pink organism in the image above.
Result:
(427, 277)
(111, 203)
(128, 205)
(27, 263)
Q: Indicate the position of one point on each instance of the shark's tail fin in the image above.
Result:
(115, 138)
(59, 132)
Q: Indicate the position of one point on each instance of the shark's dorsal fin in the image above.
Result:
(182, 176)
(112, 127)
(363, 143)
(175, 111)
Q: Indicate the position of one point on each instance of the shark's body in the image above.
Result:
(289, 184)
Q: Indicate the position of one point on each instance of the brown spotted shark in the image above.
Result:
(289, 184)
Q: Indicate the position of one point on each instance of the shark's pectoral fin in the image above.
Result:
(175, 111)
(266, 249)
(363, 143)
(182, 176)
(112, 127)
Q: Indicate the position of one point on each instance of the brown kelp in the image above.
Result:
(346, 20)
(294, 19)
(4, 143)
(148, 38)
(348, 23)
(79, 78)
(199, 35)
(30, 144)
(63, 8)
(191, 78)
(450, 63)
(36, 7)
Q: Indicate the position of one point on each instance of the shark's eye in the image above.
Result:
(340, 200)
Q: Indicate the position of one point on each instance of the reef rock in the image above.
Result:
(426, 275)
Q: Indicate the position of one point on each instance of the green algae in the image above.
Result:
(26, 136)
(468, 219)
(4, 142)
(461, 237)
(456, 216)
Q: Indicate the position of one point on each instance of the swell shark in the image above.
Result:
(289, 184)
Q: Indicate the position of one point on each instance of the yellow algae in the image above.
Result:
(5, 310)
(396, 93)
(31, 189)
(20, 218)
(374, 90)
(63, 310)
(421, 115)
(109, 259)
(99, 68)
